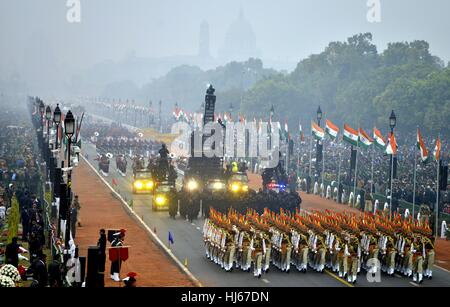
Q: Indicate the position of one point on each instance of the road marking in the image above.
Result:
(339, 279)
(443, 269)
(198, 228)
(396, 275)
(152, 234)
(266, 281)
(414, 284)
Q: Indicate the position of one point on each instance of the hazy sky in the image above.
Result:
(33, 32)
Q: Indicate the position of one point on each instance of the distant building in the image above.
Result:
(203, 43)
(240, 41)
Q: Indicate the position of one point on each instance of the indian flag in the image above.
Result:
(437, 150)
(380, 142)
(350, 135)
(317, 132)
(421, 147)
(331, 129)
(302, 137)
(364, 139)
(391, 148)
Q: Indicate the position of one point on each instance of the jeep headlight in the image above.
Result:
(160, 200)
(218, 186)
(138, 185)
(192, 185)
(235, 187)
(149, 185)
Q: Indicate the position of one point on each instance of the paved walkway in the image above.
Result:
(100, 209)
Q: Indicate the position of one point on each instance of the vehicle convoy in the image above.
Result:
(164, 198)
(202, 172)
(274, 179)
(143, 182)
(238, 183)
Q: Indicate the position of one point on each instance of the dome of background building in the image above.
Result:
(240, 41)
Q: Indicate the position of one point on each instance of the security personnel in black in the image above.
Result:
(308, 184)
(340, 190)
(172, 198)
(362, 199)
(184, 200)
(193, 207)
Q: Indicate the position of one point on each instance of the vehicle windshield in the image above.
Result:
(164, 188)
(143, 175)
(239, 177)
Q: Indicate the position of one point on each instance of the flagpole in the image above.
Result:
(323, 166)
(392, 177)
(310, 155)
(356, 174)
(298, 153)
(414, 185)
(339, 176)
(437, 194)
(298, 161)
(371, 175)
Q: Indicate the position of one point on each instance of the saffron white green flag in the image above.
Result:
(437, 150)
(364, 139)
(350, 135)
(391, 148)
(331, 129)
(317, 132)
(421, 146)
(380, 142)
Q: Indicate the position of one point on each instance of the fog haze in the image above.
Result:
(45, 53)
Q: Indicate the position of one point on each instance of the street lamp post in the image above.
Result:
(42, 111)
(48, 117)
(69, 129)
(57, 121)
(319, 118)
(392, 124)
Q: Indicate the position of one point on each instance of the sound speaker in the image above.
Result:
(443, 178)
(92, 267)
(63, 201)
(353, 159)
(319, 152)
(395, 164)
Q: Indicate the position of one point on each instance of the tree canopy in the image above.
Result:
(353, 83)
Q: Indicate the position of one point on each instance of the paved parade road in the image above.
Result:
(188, 247)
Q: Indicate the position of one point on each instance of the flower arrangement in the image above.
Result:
(6, 282)
(10, 271)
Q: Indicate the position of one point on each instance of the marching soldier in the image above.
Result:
(286, 249)
(267, 248)
(230, 249)
(320, 249)
(257, 253)
(354, 254)
(418, 259)
(428, 245)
